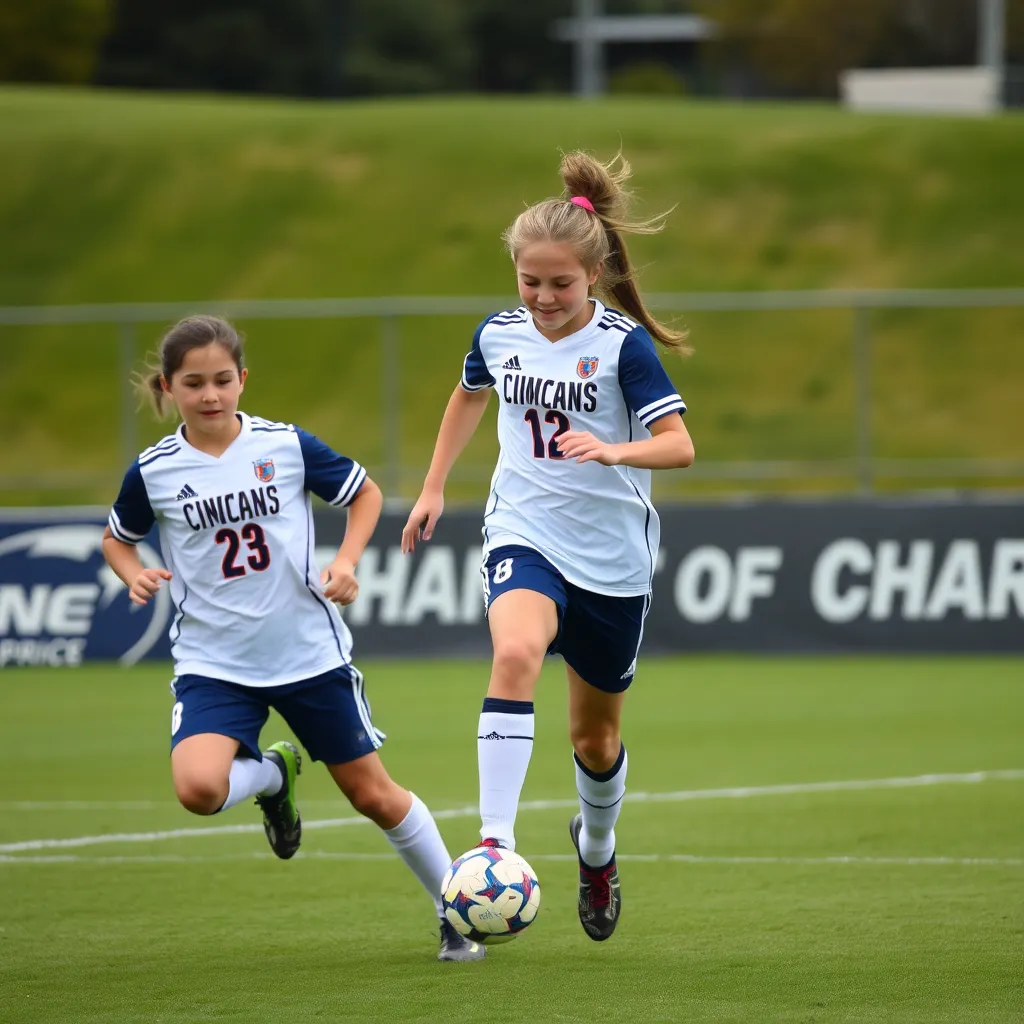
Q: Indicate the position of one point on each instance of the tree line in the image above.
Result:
(386, 47)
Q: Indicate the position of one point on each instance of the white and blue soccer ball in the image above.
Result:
(490, 895)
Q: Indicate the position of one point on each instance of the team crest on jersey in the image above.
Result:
(264, 469)
(587, 366)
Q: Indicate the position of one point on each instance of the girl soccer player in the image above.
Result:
(255, 625)
(570, 535)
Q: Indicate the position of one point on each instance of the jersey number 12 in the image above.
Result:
(533, 418)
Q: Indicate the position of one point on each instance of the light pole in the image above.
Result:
(992, 34)
(589, 64)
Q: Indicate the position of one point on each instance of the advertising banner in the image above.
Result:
(763, 576)
(60, 604)
(881, 575)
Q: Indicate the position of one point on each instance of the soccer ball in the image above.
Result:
(490, 895)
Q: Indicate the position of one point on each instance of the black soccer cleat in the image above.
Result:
(281, 820)
(456, 947)
(600, 903)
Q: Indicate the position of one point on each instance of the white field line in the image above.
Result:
(644, 858)
(736, 792)
(679, 796)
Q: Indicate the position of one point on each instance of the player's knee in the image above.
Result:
(372, 800)
(598, 749)
(517, 658)
(199, 795)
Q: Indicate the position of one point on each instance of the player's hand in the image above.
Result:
(339, 581)
(422, 519)
(582, 446)
(146, 584)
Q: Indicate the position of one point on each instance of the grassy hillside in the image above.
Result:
(109, 197)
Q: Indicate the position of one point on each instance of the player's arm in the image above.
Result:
(142, 583)
(668, 447)
(339, 578)
(653, 399)
(342, 483)
(461, 418)
(131, 518)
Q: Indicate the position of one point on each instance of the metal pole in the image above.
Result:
(991, 34)
(126, 363)
(390, 403)
(334, 47)
(863, 397)
(589, 69)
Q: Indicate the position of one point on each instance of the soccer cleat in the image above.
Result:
(600, 902)
(491, 843)
(281, 820)
(456, 947)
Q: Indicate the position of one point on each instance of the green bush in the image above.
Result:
(647, 78)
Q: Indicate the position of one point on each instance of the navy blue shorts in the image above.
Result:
(598, 636)
(329, 713)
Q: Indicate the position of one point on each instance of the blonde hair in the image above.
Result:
(185, 335)
(596, 237)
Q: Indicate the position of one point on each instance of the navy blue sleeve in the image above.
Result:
(333, 477)
(645, 385)
(132, 517)
(475, 375)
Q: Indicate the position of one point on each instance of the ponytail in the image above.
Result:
(592, 216)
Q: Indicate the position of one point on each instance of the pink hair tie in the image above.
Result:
(584, 202)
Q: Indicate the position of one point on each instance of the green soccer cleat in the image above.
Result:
(281, 820)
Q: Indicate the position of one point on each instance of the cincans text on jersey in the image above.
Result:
(235, 507)
(565, 395)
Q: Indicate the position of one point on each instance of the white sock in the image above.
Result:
(600, 802)
(418, 842)
(249, 777)
(504, 743)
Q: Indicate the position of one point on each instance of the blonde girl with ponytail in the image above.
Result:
(570, 534)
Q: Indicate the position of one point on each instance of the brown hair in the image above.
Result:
(185, 335)
(596, 237)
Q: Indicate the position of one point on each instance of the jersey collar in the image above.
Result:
(243, 418)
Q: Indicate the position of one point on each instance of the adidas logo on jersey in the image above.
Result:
(492, 736)
(511, 364)
(186, 492)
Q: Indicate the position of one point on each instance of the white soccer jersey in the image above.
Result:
(237, 533)
(594, 523)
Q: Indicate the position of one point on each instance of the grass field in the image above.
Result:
(899, 900)
(108, 197)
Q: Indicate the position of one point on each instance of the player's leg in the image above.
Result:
(601, 638)
(524, 594)
(400, 815)
(215, 757)
(331, 717)
(201, 770)
(413, 834)
(600, 762)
